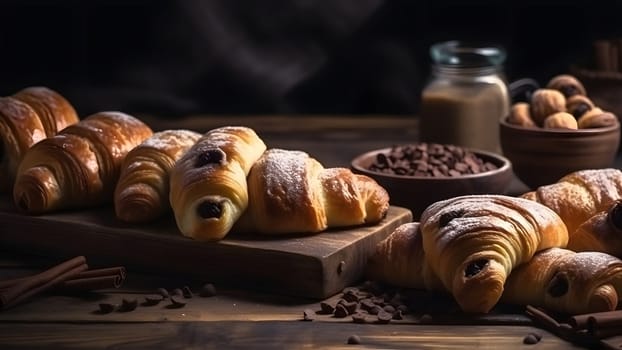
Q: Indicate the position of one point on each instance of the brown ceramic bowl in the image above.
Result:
(542, 156)
(418, 192)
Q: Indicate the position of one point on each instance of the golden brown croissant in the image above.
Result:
(580, 195)
(55, 112)
(208, 189)
(291, 192)
(79, 166)
(602, 232)
(399, 260)
(26, 118)
(473, 242)
(142, 191)
(564, 281)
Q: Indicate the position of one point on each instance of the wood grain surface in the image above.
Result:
(315, 266)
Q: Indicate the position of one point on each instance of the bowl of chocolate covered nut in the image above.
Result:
(419, 174)
(557, 130)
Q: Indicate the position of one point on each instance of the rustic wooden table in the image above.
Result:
(240, 318)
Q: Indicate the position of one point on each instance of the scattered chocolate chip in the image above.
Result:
(384, 317)
(351, 296)
(308, 315)
(163, 292)
(187, 292)
(208, 290)
(367, 304)
(176, 302)
(340, 311)
(375, 310)
(128, 305)
(354, 339)
(359, 317)
(531, 338)
(153, 299)
(389, 308)
(106, 308)
(350, 306)
(326, 308)
(177, 291)
(398, 315)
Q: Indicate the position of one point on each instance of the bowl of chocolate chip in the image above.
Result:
(556, 130)
(419, 174)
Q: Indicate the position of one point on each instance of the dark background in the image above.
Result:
(276, 56)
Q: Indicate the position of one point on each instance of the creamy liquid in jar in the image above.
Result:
(464, 101)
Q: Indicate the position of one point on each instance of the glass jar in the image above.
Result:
(466, 96)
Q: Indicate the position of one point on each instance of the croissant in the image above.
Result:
(564, 281)
(208, 189)
(291, 192)
(578, 196)
(473, 242)
(602, 232)
(399, 260)
(141, 194)
(79, 166)
(26, 118)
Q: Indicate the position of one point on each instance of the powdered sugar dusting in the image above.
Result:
(283, 171)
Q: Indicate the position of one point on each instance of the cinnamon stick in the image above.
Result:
(40, 282)
(599, 324)
(104, 278)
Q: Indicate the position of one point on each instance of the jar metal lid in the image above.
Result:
(467, 55)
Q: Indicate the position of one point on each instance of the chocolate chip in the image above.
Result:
(106, 308)
(209, 209)
(389, 308)
(532, 338)
(375, 310)
(429, 160)
(176, 302)
(384, 317)
(351, 296)
(208, 290)
(163, 292)
(210, 156)
(359, 317)
(187, 292)
(177, 291)
(350, 306)
(326, 308)
(367, 304)
(152, 299)
(128, 305)
(340, 311)
(354, 339)
(308, 315)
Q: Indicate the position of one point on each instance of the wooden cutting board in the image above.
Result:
(315, 266)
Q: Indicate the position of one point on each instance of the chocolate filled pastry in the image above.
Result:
(602, 232)
(399, 260)
(142, 191)
(579, 196)
(473, 242)
(565, 281)
(208, 189)
(26, 118)
(291, 192)
(79, 166)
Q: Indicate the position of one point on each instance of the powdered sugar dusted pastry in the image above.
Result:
(473, 243)
(208, 189)
(291, 192)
